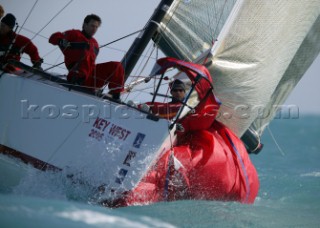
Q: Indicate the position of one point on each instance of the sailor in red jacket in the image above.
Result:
(80, 50)
(170, 109)
(13, 45)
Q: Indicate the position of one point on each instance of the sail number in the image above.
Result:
(96, 135)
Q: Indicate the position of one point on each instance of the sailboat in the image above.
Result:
(256, 52)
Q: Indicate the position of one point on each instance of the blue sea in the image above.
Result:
(289, 196)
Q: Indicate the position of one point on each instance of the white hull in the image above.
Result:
(104, 142)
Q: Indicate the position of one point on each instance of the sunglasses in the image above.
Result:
(177, 90)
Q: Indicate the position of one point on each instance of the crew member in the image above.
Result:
(13, 45)
(80, 51)
(170, 109)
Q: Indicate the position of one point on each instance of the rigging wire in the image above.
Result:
(147, 57)
(68, 136)
(156, 44)
(140, 64)
(275, 141)
(29, 30)
(145, 90)
(216, 28)
(52, 19)
(121, 38)
(50, 52)
(37, 33)
(220, 18)
(106, 84)
(32, 8)
(55, 65)
(124, 51)
(102, 46)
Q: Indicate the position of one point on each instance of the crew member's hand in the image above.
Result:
(37, 65)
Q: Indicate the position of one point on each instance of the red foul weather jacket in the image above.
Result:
(80, 57)
(20, 44)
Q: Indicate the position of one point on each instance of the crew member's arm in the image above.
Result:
(63, 39)
(30, 49)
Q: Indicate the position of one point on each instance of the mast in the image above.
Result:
(140, 43)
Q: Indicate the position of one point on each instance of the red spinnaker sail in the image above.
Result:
(209, 161)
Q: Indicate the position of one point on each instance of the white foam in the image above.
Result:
(312, 174)
(97, 218)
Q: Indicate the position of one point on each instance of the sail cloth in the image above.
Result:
(262, 50)
(209, 162)
(190, 27)
(301, 61)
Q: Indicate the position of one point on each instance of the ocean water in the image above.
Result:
(289, 196)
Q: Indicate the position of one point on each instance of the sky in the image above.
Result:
(120, 18)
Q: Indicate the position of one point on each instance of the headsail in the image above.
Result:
(302, 60)
(254, 60)
(262, 51)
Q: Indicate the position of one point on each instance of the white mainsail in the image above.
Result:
(262, 51)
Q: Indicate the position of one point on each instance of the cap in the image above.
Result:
(177, 84)
(9, 20)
